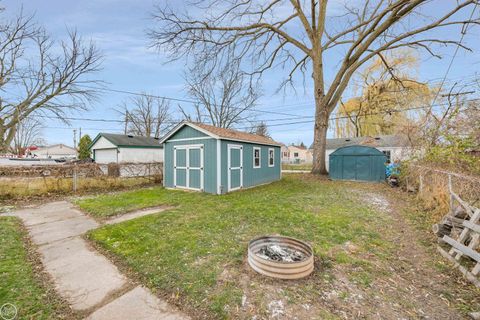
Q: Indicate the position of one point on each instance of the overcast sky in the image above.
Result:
(118, 28)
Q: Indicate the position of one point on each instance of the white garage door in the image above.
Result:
(105, 155)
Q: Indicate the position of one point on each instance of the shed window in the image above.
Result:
(256, 157)
(271, 157)
(388, 154)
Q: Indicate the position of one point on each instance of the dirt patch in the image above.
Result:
(404, 285)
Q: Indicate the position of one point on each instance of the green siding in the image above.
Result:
(187, 132)
(357, 163)
(251, 176)
(181, 158)
(209, 165)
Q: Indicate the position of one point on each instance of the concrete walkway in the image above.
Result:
(296, 171)
(86, 279)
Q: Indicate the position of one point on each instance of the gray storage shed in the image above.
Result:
(205, 158)
(357, 163)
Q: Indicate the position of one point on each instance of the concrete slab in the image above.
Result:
(82, 276)
(32, 219)
(135, 214)
(57, 230)
(49, 212)
(138, 304)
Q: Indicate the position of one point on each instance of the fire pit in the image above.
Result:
(280, 257)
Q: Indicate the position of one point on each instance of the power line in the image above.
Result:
(103, 88)
(464, 31)
(366, 115)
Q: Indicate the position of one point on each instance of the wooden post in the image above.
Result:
(75, 177)
(450, 192)
(420, 187)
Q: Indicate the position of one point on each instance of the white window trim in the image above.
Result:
(259, 157)
(273, 157)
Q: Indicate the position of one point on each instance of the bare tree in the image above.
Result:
(261, 129)
(146, 115)
(40, 77)
(28, 132)
(224, 92)
(297, 34)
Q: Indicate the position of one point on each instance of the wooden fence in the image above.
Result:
(17, 181)
(459, 229)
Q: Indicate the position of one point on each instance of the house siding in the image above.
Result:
(186, 133)
(251, 176)
(139, 155)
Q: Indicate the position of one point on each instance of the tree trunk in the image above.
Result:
(319, 143)
(321, 120)
(320, 131)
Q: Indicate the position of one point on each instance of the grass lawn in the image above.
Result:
(194, 255)
(196, 250)
(20, 283)
(302, 166)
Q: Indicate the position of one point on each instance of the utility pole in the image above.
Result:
(126, 121)
(79, 134)
(75, 139)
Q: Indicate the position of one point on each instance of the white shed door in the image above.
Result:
(105, 155)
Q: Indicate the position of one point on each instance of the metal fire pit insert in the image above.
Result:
(280, 257)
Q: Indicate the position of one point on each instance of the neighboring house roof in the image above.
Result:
(298, 147)
(385, 141)
(61, 145)
(222, 133)
(128, 141)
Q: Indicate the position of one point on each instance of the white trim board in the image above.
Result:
(187, 167)
(188, 139)
(230, 168)
(219, 167)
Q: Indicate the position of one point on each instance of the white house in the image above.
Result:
(56, 151)
(118, 148)
(395, 147)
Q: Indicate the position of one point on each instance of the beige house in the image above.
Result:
(296, 154)
(56, 151)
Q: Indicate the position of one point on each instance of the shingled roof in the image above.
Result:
(122, 140)
(227, 134)
(385, 141)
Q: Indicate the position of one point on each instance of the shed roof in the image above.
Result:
(357, 151)
(384, 141)
(123, 140)
(223, 133)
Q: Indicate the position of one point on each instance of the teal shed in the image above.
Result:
(357, 163)
(205, 158)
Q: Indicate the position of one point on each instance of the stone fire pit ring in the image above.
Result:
(263, 257)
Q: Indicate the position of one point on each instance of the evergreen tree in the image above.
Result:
(83, 151)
